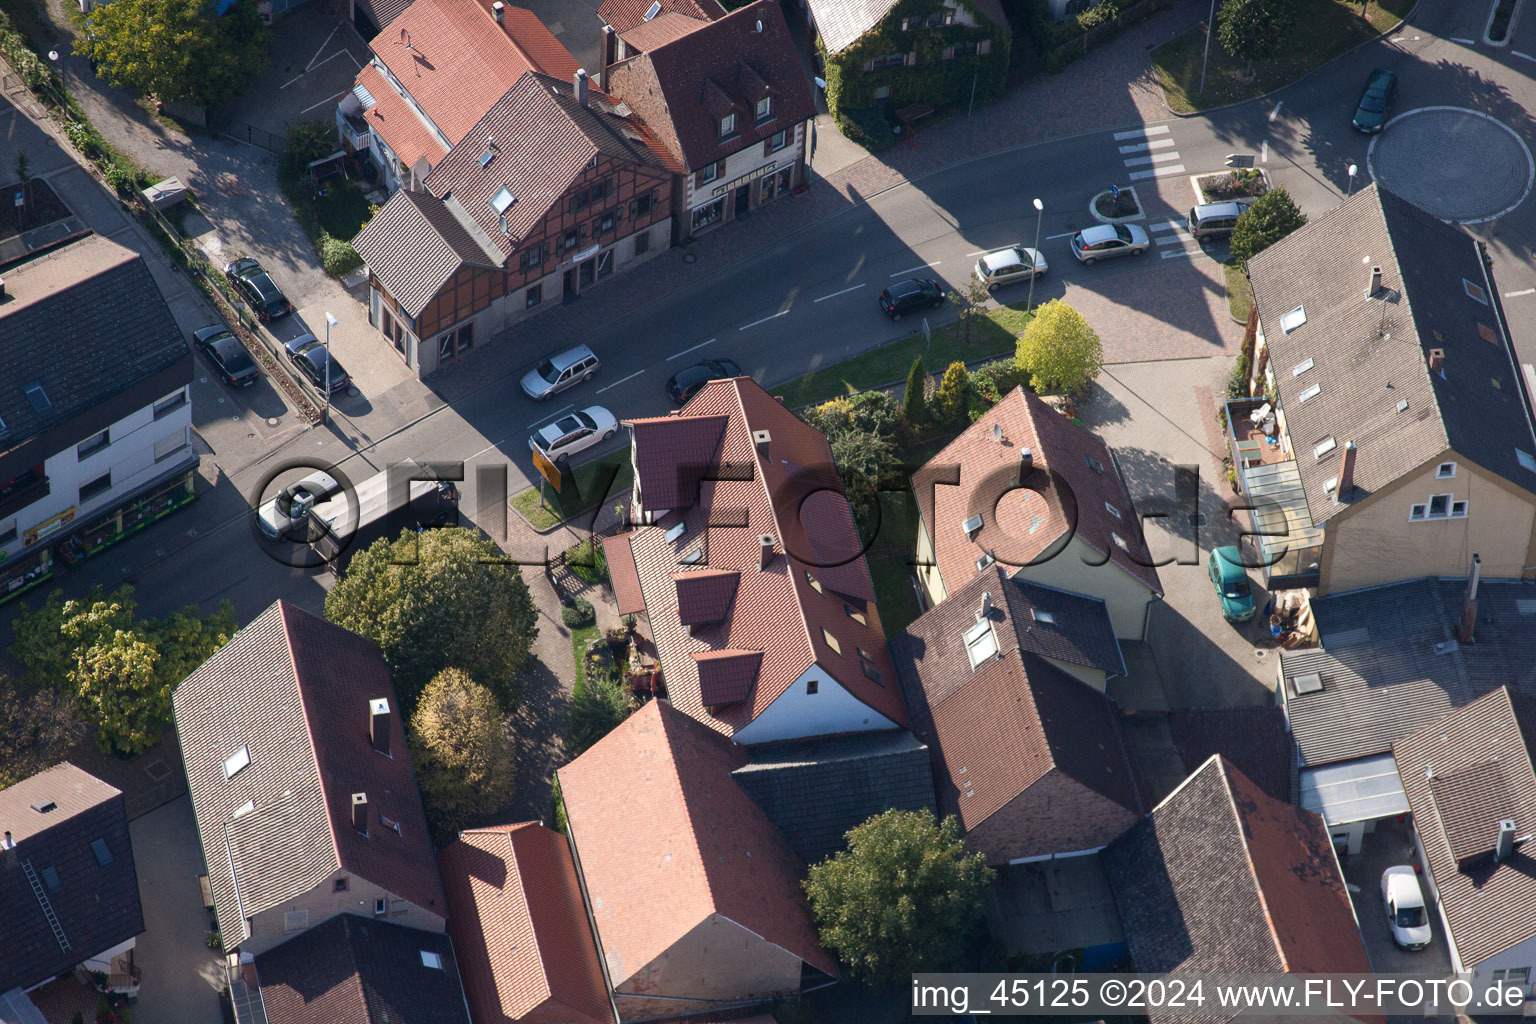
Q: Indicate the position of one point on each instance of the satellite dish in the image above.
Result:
(820, 83)
(997, 432)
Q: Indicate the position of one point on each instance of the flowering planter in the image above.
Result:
(1212, 188)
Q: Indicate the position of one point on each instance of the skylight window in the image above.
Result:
(1311, 392)
(502, 201)
(985, 560)
(652, 11)
(1045, 617)
(971, 525)
(1294, 319)
(487, 157)
(1324, 447)
(1402, 406)
(1474, 292)
(103, 854)
(1120, 542)
(41, 403)
(431, 959)
(677, 531)
(236, 761)
(1526, 459)
(1111, 510)
(1301, 367)
(980, 643)
(693, 557)
(244, 809)
(51, 878)
(1486, 333)
(831, 641)
(1094, 464)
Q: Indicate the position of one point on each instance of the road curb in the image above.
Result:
(1295, 81)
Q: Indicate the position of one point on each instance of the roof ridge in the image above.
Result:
(1403, 297)
(669, 735)
(309, 730)
(1253, 869)
(505, 833)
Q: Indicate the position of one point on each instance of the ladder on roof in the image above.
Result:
(42, 901)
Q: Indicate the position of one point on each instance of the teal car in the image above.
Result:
(1231, 582)
(1371, 111)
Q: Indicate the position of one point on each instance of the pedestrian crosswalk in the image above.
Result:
(1171, 233)
(1148, 154)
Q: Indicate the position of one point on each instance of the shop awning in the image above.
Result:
(1364, 789)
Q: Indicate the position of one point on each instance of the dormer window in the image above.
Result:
(764, 109)
(728, 126)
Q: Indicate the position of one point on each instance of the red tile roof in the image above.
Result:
(704, 595)
(621, 572)
(659, 31)
(730, 59)
(624, 15)
(726, 677)
(666, 840)
(1019, 524)
(393, 120)
(817, 583)
(520, 930)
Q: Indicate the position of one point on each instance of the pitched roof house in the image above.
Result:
(751, 574)
(1030, 757)
(1025, 488)
(520, 929)
(728, 99)
(1222, 878)
(693, 893)
(553, 189)
(69, 894)
(1472, 788)
(302, 784)
(1403, 415)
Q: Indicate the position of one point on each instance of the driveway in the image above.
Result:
(182, 976)
(1389, 845)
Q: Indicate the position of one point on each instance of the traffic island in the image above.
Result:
(1114, 205)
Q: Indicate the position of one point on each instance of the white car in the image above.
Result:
(1005, 266)
(573, 432)
(1404, 902)
(560, 371)
(1105, 241)
(294, 502)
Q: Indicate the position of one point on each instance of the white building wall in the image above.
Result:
(798, 714)
(744, 161)
(103, 961)
(1522, 955)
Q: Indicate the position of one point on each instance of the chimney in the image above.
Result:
(8, 842)
(378, 724)
(499, 12)
(1469, 603)
(1437, 360)
(610, 55)
(360, 812)
(761, 440)
(1026, 464)
(2, 289)
(986, 606)
(1345, 481)
(1375, 282)
(765, 550)
(1505, 846)
(581, 86)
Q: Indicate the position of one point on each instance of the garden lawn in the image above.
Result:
(1324, 29)
(1239, 291)
(342, 211)
(549, 509)
(992, 336)
(579, 638)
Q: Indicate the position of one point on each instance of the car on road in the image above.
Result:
(682, 384)
(1375, 101)
(1005, 266)
(228, 356)
(1403, 900)
(575, 431)
(1103, 241)
(312, 359)
(1230, 579)
(560, 371)
(1215, 220)
(293, 503)
(911, 295)
(257, 288)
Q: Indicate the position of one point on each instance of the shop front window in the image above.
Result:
(708, 214)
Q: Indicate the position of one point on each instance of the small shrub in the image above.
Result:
(1237, 381)
(337, 257)
(868, 127)
(949, 402)
(912, 408)
(588, 561)
(578, 613)
(995, 380)
(122, 178)
(562, 824)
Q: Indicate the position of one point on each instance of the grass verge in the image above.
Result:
(579, 639)
(1239, 292)
(994, 335)
(544, 509)
(1324, 29)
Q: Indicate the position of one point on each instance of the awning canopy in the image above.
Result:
(1364, 789)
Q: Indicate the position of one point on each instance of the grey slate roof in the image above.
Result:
(414, 245)
(1369, 356)
(1484, 751)
(357, 970)
(1254, 739)
(96, 905)
(94, 302)
(815, 792)
(1382, 677)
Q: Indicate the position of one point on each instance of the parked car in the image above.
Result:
(1371, 111)
(292, 505)
(573, 432)
(1005, 266)
(1215, 220)
(312, 358)
(1404, 903)
(228, 356)
(560, 371)
(1230, 579)
(682, 384)
(257, 288)
(911, 295)
(1103, 241)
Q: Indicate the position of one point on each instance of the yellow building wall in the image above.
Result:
(323, 902)
(1124, 595)
(717, 960)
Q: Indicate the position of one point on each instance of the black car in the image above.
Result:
(682, 385)
(1375, 101)
(258, 289)
(913, 294)
(227, 355)
(311, 357)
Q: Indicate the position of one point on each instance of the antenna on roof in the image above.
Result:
(405, 38)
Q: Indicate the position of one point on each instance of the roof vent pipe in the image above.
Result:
(581, 86)
(985, 611)
(360, 812)
(765, 550)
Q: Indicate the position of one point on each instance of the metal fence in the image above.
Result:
(240, 131)
(1098, 33)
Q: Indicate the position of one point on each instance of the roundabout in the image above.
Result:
(1458, 164)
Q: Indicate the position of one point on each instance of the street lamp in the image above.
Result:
(1209, 24)
(330, 321)
(1039, 213)
(1352, 171)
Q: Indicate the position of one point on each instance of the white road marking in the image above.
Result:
(845, 291)
(549, 416)
(1463, 42)
(1173, 239)
(920, 266)
(1264, 152)
(1516, 295)
(1166, 225)
(695, 348)
(1141, 133)
(1155, 158)
(1142, 147)
(488, 447)
(1183, 252)
(754, 323)
(1276, 112)
(322, 103)
(1064, 234)
(621, 380)
(1160, 172)
(1527, 56)
(322, 48)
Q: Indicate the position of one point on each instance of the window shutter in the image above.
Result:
(719, 168)
(910, 59)
(984, 47)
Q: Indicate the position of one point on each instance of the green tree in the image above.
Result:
(1252, 30)
(439, 599)
(903, 897)
(949, 400)
(463, 750)
(912, 409)
(861, 431)
(1272, 216)
(1059, 350)
(971, 303)
(177, 50)
(600, 706)
(37, 730)
(304, 143)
